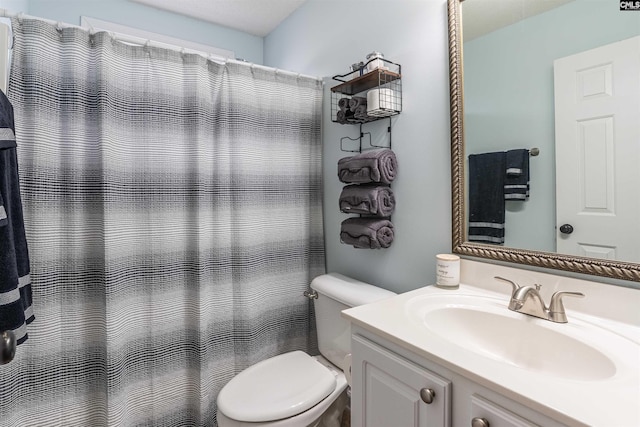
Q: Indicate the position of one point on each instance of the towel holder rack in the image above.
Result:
(533, 152)
(362, 134)
(359, 138)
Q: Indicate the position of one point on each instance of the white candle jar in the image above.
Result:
(447, 271)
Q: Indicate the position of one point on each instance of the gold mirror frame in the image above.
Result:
(593, 266)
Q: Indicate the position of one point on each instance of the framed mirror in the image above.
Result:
(507, 93)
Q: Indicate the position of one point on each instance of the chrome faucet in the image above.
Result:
(527, 300)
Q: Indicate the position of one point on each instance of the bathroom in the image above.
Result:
(323, 38)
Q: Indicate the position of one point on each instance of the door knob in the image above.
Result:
(479, 422)
(566, 229)
(427, 395)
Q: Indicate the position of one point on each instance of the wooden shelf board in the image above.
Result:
(367, 81)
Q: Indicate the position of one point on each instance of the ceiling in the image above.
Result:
(482, 17)
(257, 17)
(260, 17)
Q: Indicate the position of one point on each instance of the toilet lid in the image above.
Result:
(276, 388)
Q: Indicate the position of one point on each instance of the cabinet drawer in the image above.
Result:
(494, 415)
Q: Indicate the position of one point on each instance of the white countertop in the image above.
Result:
(609, 402)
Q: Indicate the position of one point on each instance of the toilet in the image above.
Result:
(295, 389)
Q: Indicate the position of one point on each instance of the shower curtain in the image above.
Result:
(173, 214)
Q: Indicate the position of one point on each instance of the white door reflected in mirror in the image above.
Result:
(597, 108)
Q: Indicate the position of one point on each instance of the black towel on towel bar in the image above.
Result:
(486, 197)
(516, 181)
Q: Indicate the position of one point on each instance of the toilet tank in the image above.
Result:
(336, 293)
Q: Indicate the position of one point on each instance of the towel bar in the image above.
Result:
(359, 139)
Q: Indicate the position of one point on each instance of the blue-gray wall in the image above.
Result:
(323, 37)
(125, 12)
(15, 5)
(509, 98)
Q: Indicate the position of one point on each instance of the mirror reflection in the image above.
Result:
(561, 77)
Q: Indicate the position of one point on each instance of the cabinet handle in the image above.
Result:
(479, 422)
(427, 395)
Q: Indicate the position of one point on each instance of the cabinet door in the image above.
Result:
(487, 414)
(389, 391)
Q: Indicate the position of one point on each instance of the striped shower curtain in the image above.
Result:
(173, 214)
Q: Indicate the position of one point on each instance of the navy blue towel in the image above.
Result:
(486, 197)
(516, 182)
(15, 281)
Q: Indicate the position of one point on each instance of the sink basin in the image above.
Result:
(576, 350)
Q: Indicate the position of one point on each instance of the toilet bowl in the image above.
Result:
(295, 389)
(280, 406)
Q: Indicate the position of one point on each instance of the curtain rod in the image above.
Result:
(146, 42)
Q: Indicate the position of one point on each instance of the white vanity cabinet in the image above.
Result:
(392, 391)
(392, 387)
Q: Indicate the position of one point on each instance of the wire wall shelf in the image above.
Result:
(367, 95)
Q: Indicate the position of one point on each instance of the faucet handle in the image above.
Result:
(556, 308)
(514, 285)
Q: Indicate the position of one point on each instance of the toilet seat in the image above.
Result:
(280, 387)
